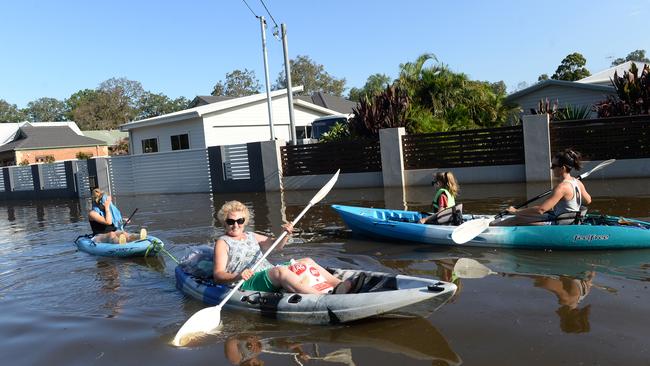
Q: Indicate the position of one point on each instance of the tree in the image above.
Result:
(542, 77)
(46, 109)
(375, 84)
(238, 84)
(638, 55)
(572, 68)
(10, 112)
(312, 76)
(152, 105)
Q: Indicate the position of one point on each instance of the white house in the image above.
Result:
(227, 122)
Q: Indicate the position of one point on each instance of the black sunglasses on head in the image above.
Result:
(240, 221)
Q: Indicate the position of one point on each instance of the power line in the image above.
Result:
(269, 13)
(249, 8)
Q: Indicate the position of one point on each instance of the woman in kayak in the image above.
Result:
(238, 250)
(567, 196)
(106, 220)
(446, 192)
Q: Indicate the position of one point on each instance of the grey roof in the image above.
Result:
(111, 137)
(329, 101)
(549, 82)
(200, 100)
(605, 76)
(31, 138)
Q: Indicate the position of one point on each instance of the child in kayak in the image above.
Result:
(446, 192)
(567, 196)
(238, 250)
(106, 220)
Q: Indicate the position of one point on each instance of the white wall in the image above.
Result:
(250, 123)
(163, 133)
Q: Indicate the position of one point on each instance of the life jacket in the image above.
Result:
(310, 276)
(451, 201)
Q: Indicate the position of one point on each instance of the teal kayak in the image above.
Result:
(595, 231)
(138, 248)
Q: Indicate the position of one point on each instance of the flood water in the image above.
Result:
(64, 307)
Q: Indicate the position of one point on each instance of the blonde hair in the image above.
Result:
(96, 195)
(448, 182)
(232, 206)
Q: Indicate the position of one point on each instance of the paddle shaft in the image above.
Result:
(129, 219)
(268, 251)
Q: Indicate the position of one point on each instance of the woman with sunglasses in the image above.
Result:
(567, 196)
(238, 250)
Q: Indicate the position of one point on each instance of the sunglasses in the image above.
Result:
(240, 221)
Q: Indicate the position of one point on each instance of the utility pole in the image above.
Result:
(287, 72)
(266, 74)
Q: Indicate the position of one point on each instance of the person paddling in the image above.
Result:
(567, 196)
(446, 191)
(106, 220)
(237, 251)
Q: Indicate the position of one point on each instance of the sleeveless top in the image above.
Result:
(451, 201)
(98, 227)
(244, 254)
(572, 205)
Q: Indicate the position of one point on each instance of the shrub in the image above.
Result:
(49, 159)
(25, 162)
(83, 155)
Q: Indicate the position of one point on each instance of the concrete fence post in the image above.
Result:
(392, 156)
(272, 164)
(537, 148)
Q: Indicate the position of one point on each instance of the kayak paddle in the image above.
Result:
(207, 320)
(473, 228)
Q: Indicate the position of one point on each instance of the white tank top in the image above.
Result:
(572, 205)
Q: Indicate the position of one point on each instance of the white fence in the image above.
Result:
(184, 171)
(235, 162)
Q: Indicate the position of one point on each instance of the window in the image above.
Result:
(150, 145)
(180, 142)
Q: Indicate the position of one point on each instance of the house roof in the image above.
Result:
(329, 101)
(108, 136)
(203, 110)
(563, 83)
(9, 131)
(47, 137)
(200, 100)
(605, 76)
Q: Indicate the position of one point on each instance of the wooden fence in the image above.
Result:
(492, 146)
(604, 138)
(324, 158)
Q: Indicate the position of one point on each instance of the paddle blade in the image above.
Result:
(343, 356)
(326, 189)
(470, 268)
(205, 321)
(597, 168)
(469, 230)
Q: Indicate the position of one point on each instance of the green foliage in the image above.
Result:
(83, 156)
(542, 77)
(638, 55)
(572, 113)
(375, 84)
(632, 94)
(10, 112)
(152, 105)
(338, 132)
(572, 68)
(25, 162)
(238, 83)
(386, 110)
(421, 120)
(312, 76)
(46, 110)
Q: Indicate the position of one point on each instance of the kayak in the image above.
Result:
(379, 294)
(595, 232)
(138, 248)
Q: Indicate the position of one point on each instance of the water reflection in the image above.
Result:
(414, 338)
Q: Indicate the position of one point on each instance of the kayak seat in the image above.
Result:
(373, 283)
(571, 218)
(448, 216)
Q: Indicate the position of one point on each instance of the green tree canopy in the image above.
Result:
(238, 83)
(46, 109)
(10, 112)
(542, 77)
(152, 105)
(572, 68)
(638, 55)
(375, 84)
(312, 76)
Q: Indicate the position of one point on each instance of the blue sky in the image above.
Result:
(182, 48)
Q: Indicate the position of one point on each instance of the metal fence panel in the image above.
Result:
(52, 176)
(235, 164)
(83, 184)
(21, 178)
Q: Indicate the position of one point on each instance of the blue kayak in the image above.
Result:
(595, 231)
(138, 248)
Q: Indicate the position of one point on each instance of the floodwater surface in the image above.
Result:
(64, 307)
